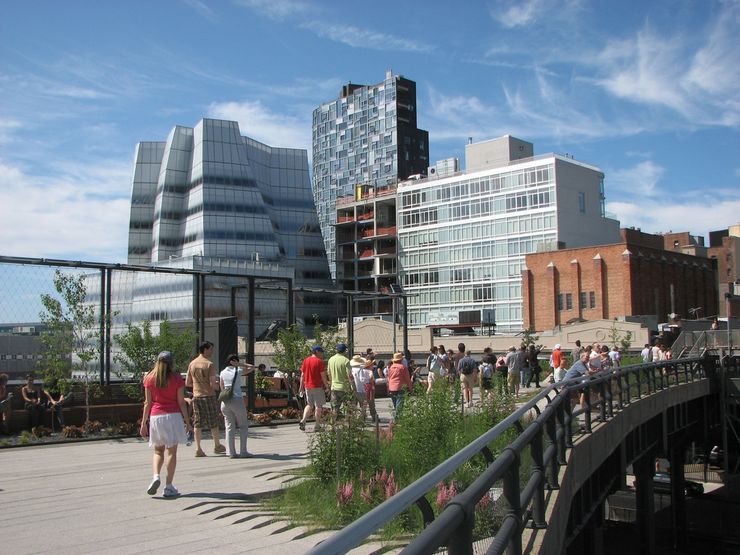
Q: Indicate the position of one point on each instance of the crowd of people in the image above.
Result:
(172, 416)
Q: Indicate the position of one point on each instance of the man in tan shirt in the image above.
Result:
(206, 414)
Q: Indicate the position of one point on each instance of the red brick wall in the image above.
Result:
(627, 280)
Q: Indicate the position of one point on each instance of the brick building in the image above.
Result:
(724, 246)
(635, 277)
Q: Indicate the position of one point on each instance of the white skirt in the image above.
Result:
(167, 430)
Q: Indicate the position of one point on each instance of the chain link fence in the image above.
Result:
(245, 306)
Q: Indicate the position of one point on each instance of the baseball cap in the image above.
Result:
(166, 356)
(317, 348)
(341, 347)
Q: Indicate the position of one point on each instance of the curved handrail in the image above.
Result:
(454, 525)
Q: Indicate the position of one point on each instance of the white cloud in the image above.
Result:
(699, 216)
(318, 21)
(81, 213)
(531, 111)
(639, 180)
(696, 76)
(259, 122)
(528, 12)
(278, 10)
(364, 38)
(202, 8)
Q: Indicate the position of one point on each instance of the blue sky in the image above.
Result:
(647, 91)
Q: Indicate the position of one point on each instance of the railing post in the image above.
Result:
(586, 392)
(513, 501)
(538, 501)
(553, 466)
(602, 405)
(461, 538)
(567, 424)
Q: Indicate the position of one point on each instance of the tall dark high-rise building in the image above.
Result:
(363, 142)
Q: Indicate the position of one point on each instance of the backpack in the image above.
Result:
(469, 367)
(486, 370)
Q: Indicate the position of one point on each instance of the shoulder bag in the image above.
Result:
(228, 392)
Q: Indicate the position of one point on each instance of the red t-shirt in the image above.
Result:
(164, 399)
(311, 369)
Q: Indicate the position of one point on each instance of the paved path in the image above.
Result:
(91, 497)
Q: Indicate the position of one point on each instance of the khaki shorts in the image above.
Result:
(315, 397)
(468, 380)
(512, 379)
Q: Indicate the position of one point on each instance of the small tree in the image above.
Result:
(529, 337)
(618, 338)
(291, 347)
(139, 348)
(72, 336)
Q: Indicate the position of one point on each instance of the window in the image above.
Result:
(568, 301)
(592, 298)
(582, 202)
(560, 301)
(583, 301)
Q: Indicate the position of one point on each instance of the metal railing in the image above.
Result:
(544, 442)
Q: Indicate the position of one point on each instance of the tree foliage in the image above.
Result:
(139, 348)
(72, 336)
(620, 339)
(529, 338)
(291, 346)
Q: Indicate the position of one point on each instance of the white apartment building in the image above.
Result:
(462, 238)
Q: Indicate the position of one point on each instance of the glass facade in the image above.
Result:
(367, 138)
(210, 198)
(462, 241)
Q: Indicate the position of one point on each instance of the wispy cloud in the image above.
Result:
(696, 76)
(259, 122)
(202, 8)
(640, 180)
(278, 10)
(320, 22)
(81, 210)
(528, 12)
(540, 108)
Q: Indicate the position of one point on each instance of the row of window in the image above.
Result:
(541, 175)
(483, 250)
(505, 312)
(586, 300)
(476, 208)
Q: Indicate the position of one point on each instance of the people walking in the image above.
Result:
(467, 367)
(233, 409)
(513, 365)
(164, 420)
(201, 377)
(314, 385)
(342, 384)
(398, 378)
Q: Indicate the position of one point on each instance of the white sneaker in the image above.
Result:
(171, 491)
(153, 486)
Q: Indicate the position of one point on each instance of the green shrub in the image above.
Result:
(357, 451)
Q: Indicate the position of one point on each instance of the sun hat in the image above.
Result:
(397, 357)
(358, 358)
